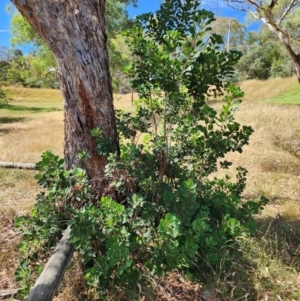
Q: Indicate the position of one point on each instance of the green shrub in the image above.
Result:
(167, 212)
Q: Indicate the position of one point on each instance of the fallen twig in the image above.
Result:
(5, 293)
(18, 165)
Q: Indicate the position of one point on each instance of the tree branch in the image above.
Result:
(17, 165)
(6, 293)
(287, 11)
(241, 9)
(255, 16)
(257, 6)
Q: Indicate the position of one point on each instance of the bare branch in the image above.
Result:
(257, 6)
(255, 16)
(18, 165)
(52, 69)
(243, 3)
(287, 10)
(239, 9)
(5, 293)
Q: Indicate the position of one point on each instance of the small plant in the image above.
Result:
(167, 211)
(42, 228)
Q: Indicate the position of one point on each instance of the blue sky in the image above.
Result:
(4, 24)
(217, 6)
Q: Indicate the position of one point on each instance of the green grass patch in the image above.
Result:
(290, 97)
(23, 102)
(33, 94)
(6, 120)
(13, 107)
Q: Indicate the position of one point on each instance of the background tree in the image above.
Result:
(232, 32)
(281, 17)
(264, 57)
(262, 62)
(41, 59)
(119, 54)
(38, 61)
(7, 56)
(5, 59)
(75, 32)
(119, 57)
(31, 70)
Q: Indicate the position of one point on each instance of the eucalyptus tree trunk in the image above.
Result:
(75, 31)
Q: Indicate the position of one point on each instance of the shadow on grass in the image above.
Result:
(265, 266)
(4, 131)
(6, 120)
(29, 109)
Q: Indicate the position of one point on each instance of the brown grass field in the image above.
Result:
(32, 123)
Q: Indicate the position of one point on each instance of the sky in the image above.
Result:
(144, 6)
(4, 24)
(217, 6)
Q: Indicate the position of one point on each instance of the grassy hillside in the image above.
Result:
(284, 91)
(268, 267)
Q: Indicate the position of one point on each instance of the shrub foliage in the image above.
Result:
(166, 211)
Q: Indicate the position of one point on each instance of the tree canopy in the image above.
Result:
(32, 68)
(232, 32)
(282, 19)
(39, 61)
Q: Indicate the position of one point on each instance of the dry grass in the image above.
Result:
(271, 260)
(271, 158)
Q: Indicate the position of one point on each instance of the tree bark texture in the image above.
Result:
(75, 31)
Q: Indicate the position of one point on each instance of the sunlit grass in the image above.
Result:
(33, 95)
(276, 90)
(290, 97)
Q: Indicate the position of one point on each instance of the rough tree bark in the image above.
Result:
(264, 12)
(75, 31)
